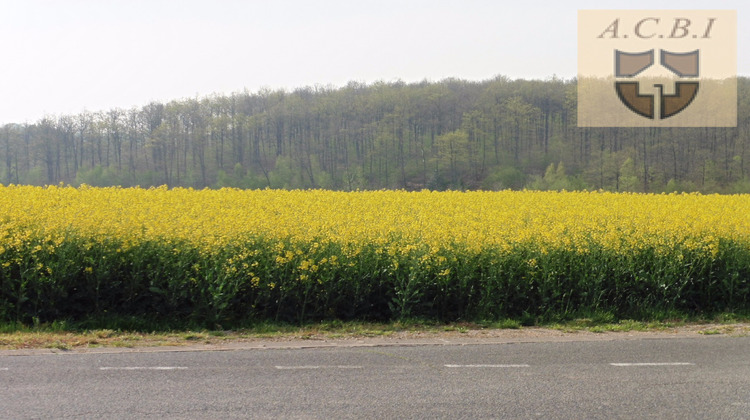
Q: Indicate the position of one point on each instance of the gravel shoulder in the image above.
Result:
(109, 342)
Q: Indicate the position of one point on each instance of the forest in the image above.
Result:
(447, 135)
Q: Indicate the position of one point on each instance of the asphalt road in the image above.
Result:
(650, 378)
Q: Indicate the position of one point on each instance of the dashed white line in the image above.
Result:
(318, 367)
(4, 369)
(143, 368)
(488, 366)
(654, 364)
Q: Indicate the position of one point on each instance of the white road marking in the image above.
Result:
(4, 369)
(488, 366)
(319, 367)
(654, 364)
(143, 368)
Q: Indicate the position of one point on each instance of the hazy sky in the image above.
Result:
(64, 56)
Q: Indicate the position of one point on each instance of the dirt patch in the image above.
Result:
(108, 341)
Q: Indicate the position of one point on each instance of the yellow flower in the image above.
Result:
(427, 226)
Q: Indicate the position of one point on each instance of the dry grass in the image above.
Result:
(38, 338)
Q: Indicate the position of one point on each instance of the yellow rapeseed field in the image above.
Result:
(213, 218)
(230, 255)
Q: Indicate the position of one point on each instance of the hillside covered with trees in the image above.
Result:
(452, 134)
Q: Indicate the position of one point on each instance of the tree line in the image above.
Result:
(451, 134)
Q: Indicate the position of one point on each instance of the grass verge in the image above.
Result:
(63, 336)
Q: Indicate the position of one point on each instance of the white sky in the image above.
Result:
(64, 56)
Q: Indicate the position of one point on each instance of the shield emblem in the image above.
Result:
(628, 65)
